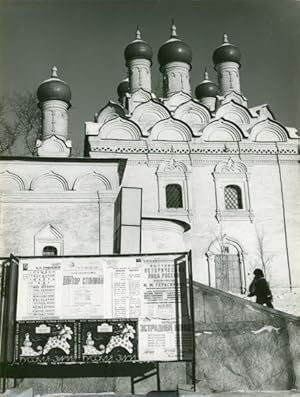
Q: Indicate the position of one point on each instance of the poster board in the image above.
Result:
(103, 309)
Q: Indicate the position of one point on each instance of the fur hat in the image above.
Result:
(258, 272)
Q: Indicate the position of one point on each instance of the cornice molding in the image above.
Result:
(192, 148)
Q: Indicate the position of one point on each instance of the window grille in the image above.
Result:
(233, 197)
(49, 250)
(173, 196)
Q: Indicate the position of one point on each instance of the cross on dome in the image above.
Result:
(173, 29)
(207, 88)
(225, 38)
(54, 71)
(138, 48)
(138, 35)
(206, 74)
(174, 49)
(54, 89)
(227, 52)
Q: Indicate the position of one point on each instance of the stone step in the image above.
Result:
(106, 394)
(28, 392)
(242, 393)
(112, 394)
(254, 393)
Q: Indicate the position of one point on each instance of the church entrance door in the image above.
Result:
(228, 272)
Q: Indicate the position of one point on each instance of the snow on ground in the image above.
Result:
(284, 300)
(287, 301)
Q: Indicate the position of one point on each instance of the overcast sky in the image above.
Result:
(85, 39)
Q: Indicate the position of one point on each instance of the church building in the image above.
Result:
(196, 169)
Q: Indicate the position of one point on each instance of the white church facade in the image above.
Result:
(206, 173)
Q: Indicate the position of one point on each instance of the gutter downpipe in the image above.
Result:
(284, 220)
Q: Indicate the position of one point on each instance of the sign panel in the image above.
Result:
(124, 308)
(109, 341)
(71, 341)
(127, 226)
(53, 342)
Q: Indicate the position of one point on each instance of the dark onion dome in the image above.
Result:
(206, 88)
(138, 49)
(54, 89)
(123, 88)
(226, 52)
(174, 50)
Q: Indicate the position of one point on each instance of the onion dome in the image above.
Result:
(54, 89)
(174, 50)
(123, 88)
(138, 49)
(206, 88)
(226, 52)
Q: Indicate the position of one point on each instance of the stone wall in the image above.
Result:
(242, 345)
(266, 225)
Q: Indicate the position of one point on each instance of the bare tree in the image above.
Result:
(27, 118)
(219, 238)
(20, 124)
(263, 256)
(7, 132)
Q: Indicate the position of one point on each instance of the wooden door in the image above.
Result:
(228, 273)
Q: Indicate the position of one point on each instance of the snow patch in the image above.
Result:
(268, 328)
(204, 332)
(283, 299)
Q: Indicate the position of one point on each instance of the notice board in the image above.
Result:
(103, 309)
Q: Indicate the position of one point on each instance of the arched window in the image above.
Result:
(173, 196)
(233, 197)
(49, 250)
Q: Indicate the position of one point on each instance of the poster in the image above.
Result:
(53, 342)
(139, 302)
(70, 341)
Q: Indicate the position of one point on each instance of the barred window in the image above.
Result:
(233, 197)
(49, 250)
(173, 196)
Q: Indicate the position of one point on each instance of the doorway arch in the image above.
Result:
(226, 265)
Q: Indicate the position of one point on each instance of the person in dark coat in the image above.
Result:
(260, 288)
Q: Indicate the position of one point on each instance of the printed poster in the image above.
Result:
(141, 302)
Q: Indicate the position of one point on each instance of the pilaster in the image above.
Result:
(176, 78)
(228, 77)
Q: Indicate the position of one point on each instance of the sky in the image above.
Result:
(86, 39)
